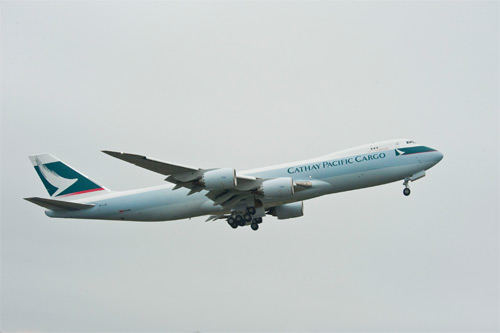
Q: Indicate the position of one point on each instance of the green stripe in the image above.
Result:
(416, 150)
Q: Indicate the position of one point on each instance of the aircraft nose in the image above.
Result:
(438, 156)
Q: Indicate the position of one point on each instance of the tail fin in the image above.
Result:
(61, 180)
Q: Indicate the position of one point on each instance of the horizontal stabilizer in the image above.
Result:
(58, 205)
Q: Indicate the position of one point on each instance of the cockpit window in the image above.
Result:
(408, 142)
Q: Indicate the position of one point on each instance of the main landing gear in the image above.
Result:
(232, 222)
(255, 223)
(240, 220)
(407, 190)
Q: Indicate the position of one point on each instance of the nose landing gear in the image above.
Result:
(407, 190)
(413, 177)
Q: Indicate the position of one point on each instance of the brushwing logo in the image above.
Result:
(54, 179)
(399, 152)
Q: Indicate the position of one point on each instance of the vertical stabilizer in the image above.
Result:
(61, 180)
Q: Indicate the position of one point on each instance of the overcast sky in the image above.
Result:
(245, 85)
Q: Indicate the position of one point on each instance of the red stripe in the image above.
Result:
(81, 192)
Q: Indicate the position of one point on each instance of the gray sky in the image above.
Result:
(245, 85)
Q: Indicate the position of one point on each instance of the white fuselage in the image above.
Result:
(355, 168)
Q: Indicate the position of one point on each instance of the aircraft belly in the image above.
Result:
(368, 178)
(167, 211)
(160, 205)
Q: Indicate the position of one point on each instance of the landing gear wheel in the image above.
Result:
(252, 210)
(232, 223)
(240, 221)
(247, 217)
(406, 191)
(258, 220)
(254, 226)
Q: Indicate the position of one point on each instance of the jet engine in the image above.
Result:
(219, 179)
(288, 211)
(276, 188)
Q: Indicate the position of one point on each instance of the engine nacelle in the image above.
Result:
(277, 188)
(289, 211)
(219, 179)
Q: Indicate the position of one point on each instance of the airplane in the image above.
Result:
(240, 198)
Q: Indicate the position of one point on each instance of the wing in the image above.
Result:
(153, 165)
(225, 186)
